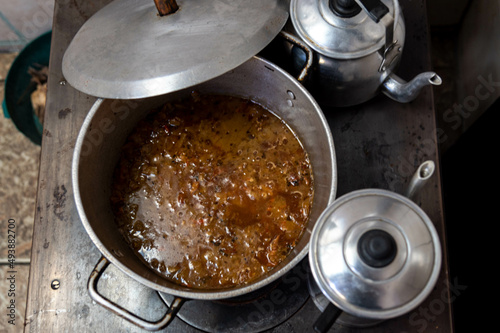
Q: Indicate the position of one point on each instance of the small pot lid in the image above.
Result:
(375, 254)
(126, 50)
(339, 37)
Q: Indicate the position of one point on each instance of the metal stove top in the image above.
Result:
(378, 144)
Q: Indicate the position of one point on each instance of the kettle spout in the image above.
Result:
(404, 92)
(420, 177)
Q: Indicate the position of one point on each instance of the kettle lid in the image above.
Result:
(340, 30)
(375, 254)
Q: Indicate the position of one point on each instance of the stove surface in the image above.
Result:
(264, 309)
(378, 145)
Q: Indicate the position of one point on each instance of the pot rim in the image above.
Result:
(201, 294)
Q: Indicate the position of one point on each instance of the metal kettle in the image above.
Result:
(356, 47)
(374, 255)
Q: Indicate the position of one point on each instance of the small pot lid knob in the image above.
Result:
(377, 248)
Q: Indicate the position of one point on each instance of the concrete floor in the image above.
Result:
(18, 178)
(20, 22)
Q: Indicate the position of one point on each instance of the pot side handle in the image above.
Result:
(120, 311)
(309, 53)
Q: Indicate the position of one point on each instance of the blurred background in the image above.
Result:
(465, 48)
(21, 22)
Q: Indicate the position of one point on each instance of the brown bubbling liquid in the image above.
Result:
(213, 191)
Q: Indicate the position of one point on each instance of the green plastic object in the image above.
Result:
(18, 87)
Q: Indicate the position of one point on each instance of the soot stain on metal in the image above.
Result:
(63, 113)
(60, 201)
(83, 312)
(376, 149)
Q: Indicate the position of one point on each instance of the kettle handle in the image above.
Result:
(378, 11)
(309, 54)
(327, 318)
(375, 9)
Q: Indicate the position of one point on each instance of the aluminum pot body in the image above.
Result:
(109, 122)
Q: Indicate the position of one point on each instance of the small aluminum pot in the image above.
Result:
(105, 130)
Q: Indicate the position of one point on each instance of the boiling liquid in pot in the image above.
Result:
(213, 191)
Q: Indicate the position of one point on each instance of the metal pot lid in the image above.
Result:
(126, 50)
(339, 37)
(375, 254)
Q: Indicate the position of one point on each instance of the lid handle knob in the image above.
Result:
(344, 8)
(166, 7)
(377, 248)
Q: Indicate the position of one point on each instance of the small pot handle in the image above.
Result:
(309, 53)
(103, 301)
(327, 318)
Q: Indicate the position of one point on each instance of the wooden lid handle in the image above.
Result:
(166, 7)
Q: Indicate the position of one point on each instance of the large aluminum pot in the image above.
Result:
(107, 126)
